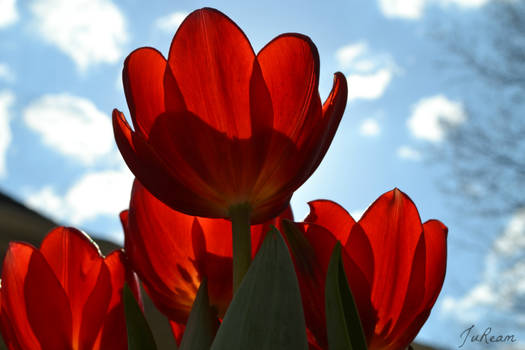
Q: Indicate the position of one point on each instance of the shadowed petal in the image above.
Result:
(322, 243)
(393, 227)
(77, 263)
(150, 87)
(14, 271)
(152, 170)
(114, 334)
(45, 300)
(436, 259)
(215, 78)
(332, 217)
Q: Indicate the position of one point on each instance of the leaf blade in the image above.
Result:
(266, 312)
(343, 324)
(202, 323)
(139, 333)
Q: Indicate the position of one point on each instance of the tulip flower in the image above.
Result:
(64, 295)
(221, 132)
(395, 266)
(217, 127)
(173, 252)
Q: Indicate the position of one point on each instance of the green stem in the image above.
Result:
(242, 242)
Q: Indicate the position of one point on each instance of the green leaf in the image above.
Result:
(139, 333)
(266, 312)
(342, 318)
(202, 323)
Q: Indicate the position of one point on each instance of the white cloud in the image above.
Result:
(104, 193)
(6, 73)
(414, 9)
(7, 98)
(48, 201)
(464, 3)
(369, 127)
(467, 308)
(409, 9)
(170, 23)
(408, 153)
(8, 13)
(369, 73)
(512, 240)
(501, 291)
(71, 125)
(368, 86)
(89, 31)
(347, 55)
(432, 116)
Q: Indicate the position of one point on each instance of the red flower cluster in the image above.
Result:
(65, 295)
(218, 128)
(396, 263)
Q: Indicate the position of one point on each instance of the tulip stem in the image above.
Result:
(242, 242)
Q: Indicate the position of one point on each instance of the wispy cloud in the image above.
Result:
(71, 125)
(432, 116)
(414, 9)
(6, 73)
(89, 31)
(103, 193)
(369, 127)
(408, 153)
(170, 23)
(408, 9)
(368, 86)
(369, 73)
(8, 13)
(501, 291)
(7, 98)
(347, 55)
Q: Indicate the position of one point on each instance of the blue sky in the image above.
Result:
(60, 78)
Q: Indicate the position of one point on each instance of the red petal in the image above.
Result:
(259, 231)
(290, 67)
(48, 309)
(436, 259)
(178, 330)
(393, 227)
(323, 242)
(8, 334)
(428, 274)
(150, 87)
(172, 252)
(95, 309)
(78, 266)
(413, 298)
(333, 110)
(158, 176)
(14, 272)
(332, 217)
(212, 61)
(114, 334)
(159, 245)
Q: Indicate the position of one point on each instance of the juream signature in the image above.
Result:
(485, 338)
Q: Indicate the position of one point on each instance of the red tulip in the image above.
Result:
(216, 126)
(64, 295)
(395, 267)
(172, 253)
